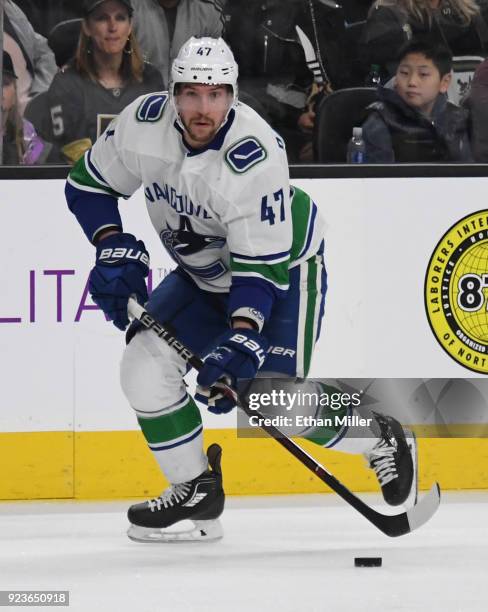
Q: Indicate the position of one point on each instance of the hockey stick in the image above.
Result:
(317, 69)
(313, 55)
(391, 525)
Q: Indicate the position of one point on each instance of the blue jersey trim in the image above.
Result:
(252, 292)
(252, 258)
(92, 210)
(93, 169)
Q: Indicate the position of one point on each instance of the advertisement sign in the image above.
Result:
(387, 263)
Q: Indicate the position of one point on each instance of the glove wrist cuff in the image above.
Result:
(252, 315)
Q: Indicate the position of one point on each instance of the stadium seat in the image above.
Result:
(63, 40)
(336, 115)
(463, 68)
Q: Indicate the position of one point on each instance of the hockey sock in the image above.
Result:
(339, 425)
(317, 411)
(176, 441)
(356, 439)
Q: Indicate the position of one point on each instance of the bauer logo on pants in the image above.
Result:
(456, 292)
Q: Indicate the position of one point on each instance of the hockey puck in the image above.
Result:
(367, 561)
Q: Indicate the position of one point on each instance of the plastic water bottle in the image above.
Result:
(373, 79)
(356, 149)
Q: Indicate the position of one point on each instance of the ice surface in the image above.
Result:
(279, 554)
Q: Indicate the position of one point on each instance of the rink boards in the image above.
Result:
(67, 431)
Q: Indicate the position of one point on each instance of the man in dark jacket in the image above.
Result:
(414, 122)
(461, 26)
(477, 104)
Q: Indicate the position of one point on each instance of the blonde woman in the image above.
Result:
(21, 143)
(458, 24)
(107, 73)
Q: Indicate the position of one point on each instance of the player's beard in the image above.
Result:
(201, 134)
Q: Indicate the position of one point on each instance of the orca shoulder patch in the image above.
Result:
(245, 154)
(152, 107)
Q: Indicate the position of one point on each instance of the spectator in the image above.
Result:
(458, 24)
(477, 104)
(107, 73)
(32, 11)
(414, 122)
(21, 144)
(33, 60)
(162, 26)
(45, 14)
(272, 62)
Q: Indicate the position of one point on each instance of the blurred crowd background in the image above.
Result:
(314, 69)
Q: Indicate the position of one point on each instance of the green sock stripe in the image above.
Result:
(171, 426)
(325, 434)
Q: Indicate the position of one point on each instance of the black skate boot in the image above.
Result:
(200, 500)
(394, 460)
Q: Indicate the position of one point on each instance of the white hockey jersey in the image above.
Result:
(224, 212)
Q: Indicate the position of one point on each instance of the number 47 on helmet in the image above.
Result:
(204, 61)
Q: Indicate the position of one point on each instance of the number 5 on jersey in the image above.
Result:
(268, 210)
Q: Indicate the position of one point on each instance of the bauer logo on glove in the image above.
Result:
(122, 263)
(113, 256)
(251, 345)
(238, 356)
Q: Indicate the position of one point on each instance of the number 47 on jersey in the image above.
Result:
(268, 207)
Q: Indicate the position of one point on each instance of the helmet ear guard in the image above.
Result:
(207, 61)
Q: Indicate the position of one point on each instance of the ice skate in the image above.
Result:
(200, 501)
(394, 461)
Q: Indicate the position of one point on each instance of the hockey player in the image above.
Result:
(250, 274)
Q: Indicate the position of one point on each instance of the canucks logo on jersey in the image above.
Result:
(245, 154)
(183, 242)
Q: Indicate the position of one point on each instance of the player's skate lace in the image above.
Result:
(382, 460)
(174, 494)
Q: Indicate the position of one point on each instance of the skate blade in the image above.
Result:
(201, 531)
(413, 495)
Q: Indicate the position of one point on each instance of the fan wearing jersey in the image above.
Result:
(249, 276)
(107, 73)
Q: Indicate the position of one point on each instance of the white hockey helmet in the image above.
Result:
(204, 60)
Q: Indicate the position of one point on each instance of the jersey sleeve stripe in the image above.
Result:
(300, 211)
(91, 168)
(310, 230)
(84, 180)
(276, 273)
(81, 187)
(269, 259)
